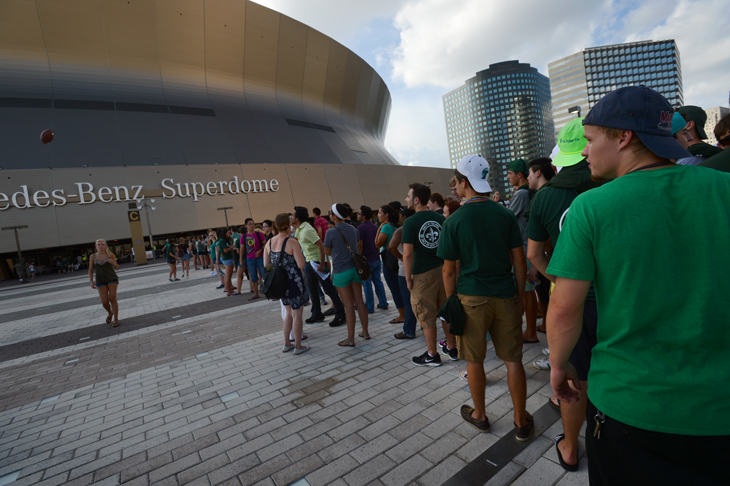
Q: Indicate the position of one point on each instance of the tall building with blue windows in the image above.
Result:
(502, 113)
(578, 81)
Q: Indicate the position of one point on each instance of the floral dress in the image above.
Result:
(296, 294)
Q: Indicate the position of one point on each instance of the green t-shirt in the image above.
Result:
(236, 237)
(387, 229)
(703, 149)
(212, 250)
(422, 230)
(720, 161)
(220, 245)
(656, 259)
(549, 207)
(480, 235)
(307, 237)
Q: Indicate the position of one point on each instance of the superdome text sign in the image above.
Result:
(87, 194)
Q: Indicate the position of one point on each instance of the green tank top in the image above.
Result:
(104, 271)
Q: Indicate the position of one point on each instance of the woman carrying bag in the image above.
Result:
(343, 243)
(285, 250)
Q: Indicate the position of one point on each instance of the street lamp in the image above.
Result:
(17, 241)
(225, 213)
(574, 109)
(142, 203)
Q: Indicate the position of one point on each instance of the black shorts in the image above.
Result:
(580, 358)
(203, 252)
(171, 261)
(115, 281)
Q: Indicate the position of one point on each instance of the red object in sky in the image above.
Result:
(47, 136)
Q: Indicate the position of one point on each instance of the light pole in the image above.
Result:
(574, 109)
(142, 203)
(17, 242)
(225, 213)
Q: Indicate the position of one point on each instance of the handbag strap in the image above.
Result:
(345, 240)
(283, 245)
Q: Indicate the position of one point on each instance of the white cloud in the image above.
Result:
(341, 20)
(445, 42)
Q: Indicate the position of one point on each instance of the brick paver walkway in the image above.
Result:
(193, 389)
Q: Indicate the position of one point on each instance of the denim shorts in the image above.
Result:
(115, 281)
(255, 265)
(228, 263)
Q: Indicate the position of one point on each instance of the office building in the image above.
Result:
(502, 113)
(202, 105)
(581, 79)
(713, 117)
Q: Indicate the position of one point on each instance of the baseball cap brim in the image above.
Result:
(663, 146)
(566, 160)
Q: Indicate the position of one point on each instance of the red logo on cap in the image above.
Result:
(665, 120)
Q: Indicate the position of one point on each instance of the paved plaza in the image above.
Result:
(193, 388)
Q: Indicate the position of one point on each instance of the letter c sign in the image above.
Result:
(133, 216)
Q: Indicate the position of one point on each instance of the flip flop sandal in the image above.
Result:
(364, 335)
(540, 330)
(528, 341)
(346, 342)
(397, 321)
(109, 320)
(552, 403)
(566, 466)
(254, 298)
(116, 324)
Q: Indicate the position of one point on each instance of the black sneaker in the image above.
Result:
(427, 360)
(338, 321)
(523, 434)
(318, 318)
(329, 312)
(453, 354)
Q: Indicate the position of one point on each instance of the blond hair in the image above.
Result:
(106, 247)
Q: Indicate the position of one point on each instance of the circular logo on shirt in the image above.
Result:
(429, 234)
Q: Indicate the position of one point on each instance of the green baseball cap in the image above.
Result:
(518, 165)
(571, 142)
(697, 115)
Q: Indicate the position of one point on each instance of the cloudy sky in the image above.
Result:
(425, 48)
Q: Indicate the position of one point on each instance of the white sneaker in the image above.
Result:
(546, 351)
(463, 375)
(212, 273)
(542, 363)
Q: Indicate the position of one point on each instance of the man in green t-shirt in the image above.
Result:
(549, 206)
(486, 239)
(696, 119)
(658, 408)
(422, 267)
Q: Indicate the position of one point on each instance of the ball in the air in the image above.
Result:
(47, 136)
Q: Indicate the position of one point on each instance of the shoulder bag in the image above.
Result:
(362, 267)
(275, 282)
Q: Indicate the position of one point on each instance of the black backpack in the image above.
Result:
(275, 282)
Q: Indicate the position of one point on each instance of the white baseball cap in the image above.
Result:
(476, 169)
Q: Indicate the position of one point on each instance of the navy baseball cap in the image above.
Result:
(643, 111)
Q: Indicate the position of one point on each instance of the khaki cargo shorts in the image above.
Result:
(502, 318)
(427, 296)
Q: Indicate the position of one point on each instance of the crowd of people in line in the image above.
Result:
(604, 240)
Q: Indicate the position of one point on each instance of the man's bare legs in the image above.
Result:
(530, 303)
(517, 383)
(573, 415)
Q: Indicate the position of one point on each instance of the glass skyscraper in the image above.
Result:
(502, 113)
(581, 79)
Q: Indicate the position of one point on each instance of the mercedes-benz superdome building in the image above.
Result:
(200, 105)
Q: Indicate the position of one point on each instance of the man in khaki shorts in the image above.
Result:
(423, 271)
(482, 236)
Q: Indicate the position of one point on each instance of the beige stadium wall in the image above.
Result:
(309, 185)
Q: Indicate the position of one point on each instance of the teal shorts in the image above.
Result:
(346, 278)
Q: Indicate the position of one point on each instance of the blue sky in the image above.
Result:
(425, 48)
